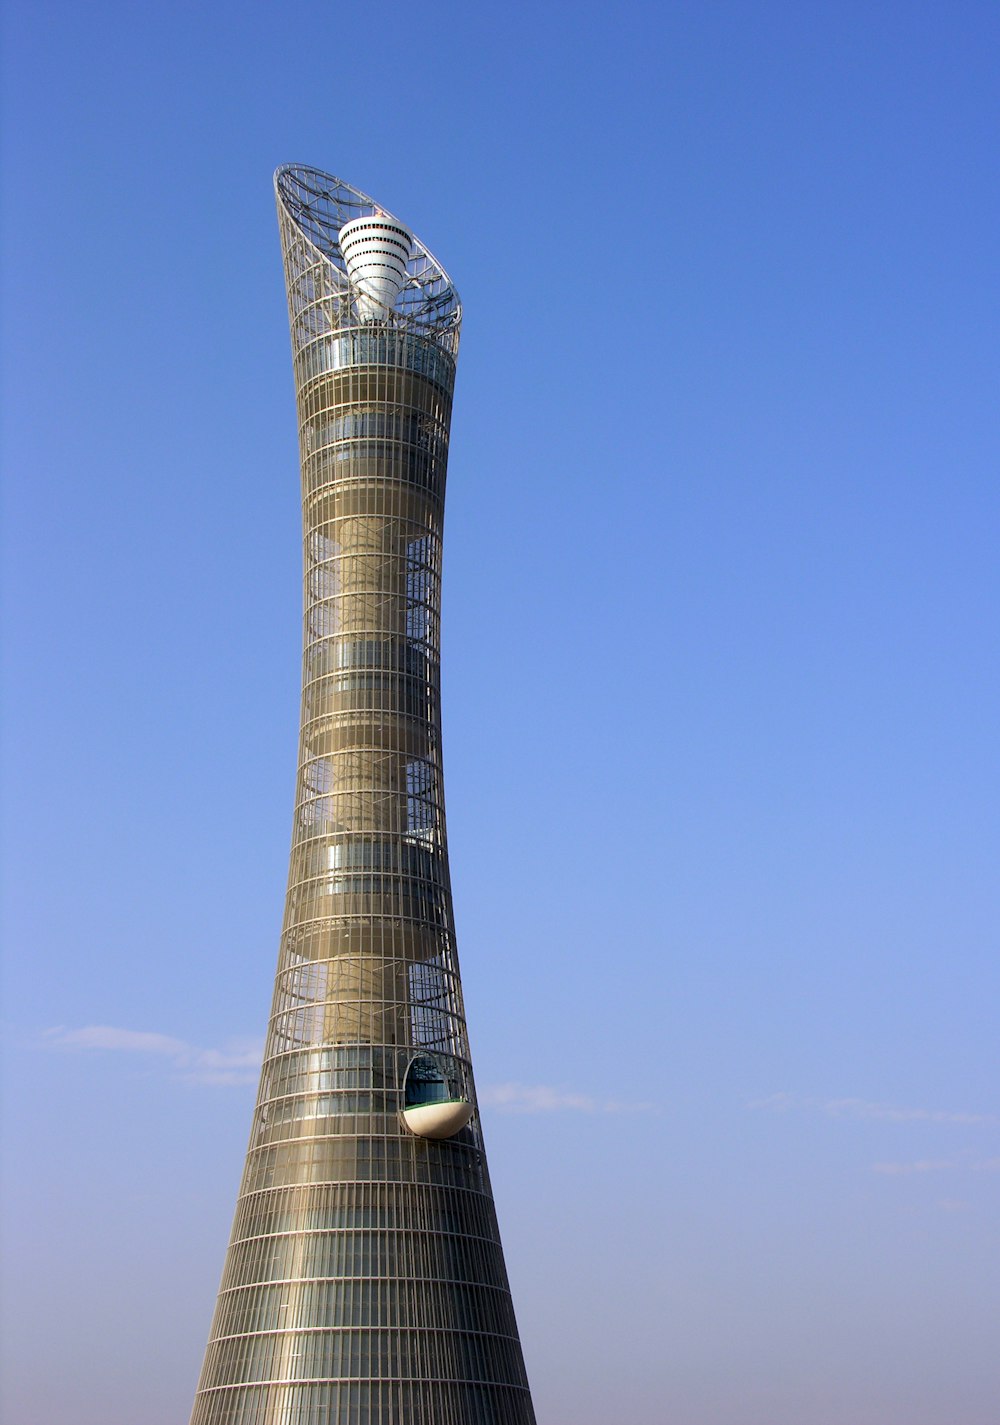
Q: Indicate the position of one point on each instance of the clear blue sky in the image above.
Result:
(721, 675)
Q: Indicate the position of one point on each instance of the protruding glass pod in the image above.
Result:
(434, 1102)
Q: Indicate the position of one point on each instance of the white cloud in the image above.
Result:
(938, 1165)
(922, 1165)
(860, 1108)
(778, 1102)
(541, 1098)
(236, 1063)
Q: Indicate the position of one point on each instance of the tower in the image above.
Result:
(364, 1282)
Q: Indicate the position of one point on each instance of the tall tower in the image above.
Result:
(365, 1282)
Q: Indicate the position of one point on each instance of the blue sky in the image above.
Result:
(720, 675)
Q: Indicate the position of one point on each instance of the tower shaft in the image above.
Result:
(365, 1280)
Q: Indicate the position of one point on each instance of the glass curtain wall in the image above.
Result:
(365, 1281)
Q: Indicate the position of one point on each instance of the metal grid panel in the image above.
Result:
(365, 1280)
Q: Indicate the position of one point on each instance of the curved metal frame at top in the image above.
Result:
(319, 205)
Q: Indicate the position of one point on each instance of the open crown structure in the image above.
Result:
(365, 1282)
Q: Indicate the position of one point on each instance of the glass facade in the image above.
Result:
(364, 1282)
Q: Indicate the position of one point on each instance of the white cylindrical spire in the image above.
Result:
(376, 250)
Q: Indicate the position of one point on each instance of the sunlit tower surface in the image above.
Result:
(365, 1282)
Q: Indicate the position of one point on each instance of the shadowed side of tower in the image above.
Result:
(365, 1280)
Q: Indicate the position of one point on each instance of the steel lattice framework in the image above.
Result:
(365, 1282)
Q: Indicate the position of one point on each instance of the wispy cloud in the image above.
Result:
(922, 1165)
(938, 1165)
(236, 1063)
(860, 1108)
(541, 1098)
